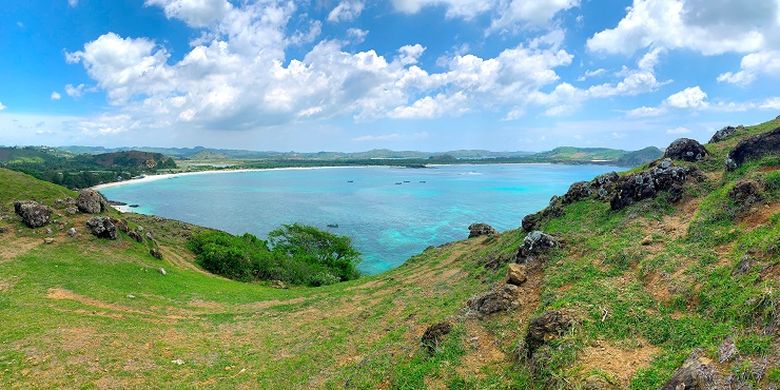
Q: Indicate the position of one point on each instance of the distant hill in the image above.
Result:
(639, 157)
(82, 170)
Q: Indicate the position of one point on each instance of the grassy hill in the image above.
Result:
(645, 286)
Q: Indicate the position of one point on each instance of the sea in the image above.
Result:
(389, 213)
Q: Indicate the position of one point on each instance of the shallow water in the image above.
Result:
(387, 222)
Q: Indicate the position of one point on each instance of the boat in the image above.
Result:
(423, 181)
(407, 181)
(398, 183)
(333, 225)
(350, 181)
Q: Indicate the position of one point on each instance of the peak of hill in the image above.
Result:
(665, 276)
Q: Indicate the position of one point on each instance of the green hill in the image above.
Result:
(623, 301)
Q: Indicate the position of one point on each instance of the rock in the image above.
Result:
(434, 334)
(72, 232)
(595, 382)
(694, 374)
(121, 225)
(554, 209)
(727, 351)
(481, 229)
(743, 267)
(135, 236)
(48, 240)
(65, 202)
(495, 261)
(49, 231)
(754, 148)
(130, 296)
(576, 192)
(156, 253)
(647, 241)
(649, 183)
(162, 271)
(723, 134)
(3, 229)
(72, 210)
(548, 326)
(515, 274)
(499, 299)
(91, 202)
(534, 244)
(102, 227)
(746, 193)
(685, 149)
(33, 214)
(177, 362)
(149, 236)
(279, 284)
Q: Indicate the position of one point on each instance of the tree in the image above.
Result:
(310, 244)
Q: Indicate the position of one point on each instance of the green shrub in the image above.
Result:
(298, 254)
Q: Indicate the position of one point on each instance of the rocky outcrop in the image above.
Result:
(102, 227)
(685, 149)
(694, 374)
(535, 244)
(499, 299)
(135, 236)
(72, 232)
(481, 229)
(724, 133)
(600, 188)
(746, 193)
(515, 274)
(434, 335)
(548, 326)
(156, 253)
(663, 177)
(91, 202)
(32, 213)
(754, 148)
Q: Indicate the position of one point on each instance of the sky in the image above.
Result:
(354, 75)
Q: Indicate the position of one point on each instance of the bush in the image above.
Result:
(297, 254)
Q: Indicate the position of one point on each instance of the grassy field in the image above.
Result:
(648, 284)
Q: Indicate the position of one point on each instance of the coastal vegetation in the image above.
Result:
(664, 276)
(294, 254)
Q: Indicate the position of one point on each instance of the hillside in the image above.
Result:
(670, 265)
(82, 170)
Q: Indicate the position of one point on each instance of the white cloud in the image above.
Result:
(431, 107)
(409, 54)
(2, 106)
(357, 35)
(592, 73)
(678, 130)
(692, 97)
(752, 66)
(72, 91)
(346, 10)
(505, 14)
(55, 95)
(73, 3)
(196, 13)
(644, 111)
(708, 27)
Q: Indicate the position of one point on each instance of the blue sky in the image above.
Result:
(353, 75)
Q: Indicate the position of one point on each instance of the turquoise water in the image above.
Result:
(387, 222)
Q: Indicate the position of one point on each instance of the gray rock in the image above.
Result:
(499, 299)
(72, 232)
(102, 227)
(548, 326)
(162, 271)
(91, 202)
(650, 182)
(685, 149)
(754, 148)
(481, 229)
(48, 240)
(694, 374)
(746, 193)
(535, 243)
(33, 214)
(723, 134)
(135, 236)
(434, 335)
(72, 210)
(156, 253)
(727, 351)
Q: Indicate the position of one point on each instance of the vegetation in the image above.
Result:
(83, 170)
(297, 254)
(648, 285)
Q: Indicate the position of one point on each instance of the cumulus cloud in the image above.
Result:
(55, 95)
(196, 13)
(357, 35)
(592, 73)
(708, 27)
(2, 106)
(692, 97)
(752, 66)
(346, 10)
(505, 14)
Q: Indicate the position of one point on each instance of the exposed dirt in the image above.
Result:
(760, 215)
(620, 363)
(62, 294)
(18, 246)
(483, 350)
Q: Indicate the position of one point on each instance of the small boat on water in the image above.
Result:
(398, 183)
(407, 181)
(350, 181)
(333, 225)
(423, 181)
(133, 206)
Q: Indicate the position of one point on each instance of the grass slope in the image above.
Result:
(90, 313)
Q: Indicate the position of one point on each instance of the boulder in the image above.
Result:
(499, 299)
(481, 229)
(647, 184)
(723, 134)
(156, 253)
(685, 149)
(72, 232)
(48, 240)
(72, 210)
(91, 202)
(515, 274)
(754, 148)
(32, 213)
(534, 244)
(3, 229)
(548, 326)
(727, 351)
(162, 271)
(577, 191)
(694, 374)
(434, 334)
(746, 193)
(554, 209)
(135, 236)
(102, 227)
